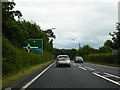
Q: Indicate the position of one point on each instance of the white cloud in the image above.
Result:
(86, 21)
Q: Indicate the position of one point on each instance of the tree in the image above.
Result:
(116, 37)
(105, 49)
(8, 19)
(108, 43)
(18, 31)
(85, 50)
(8, 12)
(50, 34)
(49, 37)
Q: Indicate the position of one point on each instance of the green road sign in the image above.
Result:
(34, 46)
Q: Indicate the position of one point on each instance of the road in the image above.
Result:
(79, 75)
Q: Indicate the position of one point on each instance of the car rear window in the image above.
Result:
(63, 57)
(78, 57)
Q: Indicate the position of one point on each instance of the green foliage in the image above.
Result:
(19, 31)
(116, 37)
(103, 58)
(15, 32)
(71, 52)
(8, 12)
(15, 59)
(108, 43)
(85, 50)
(105, 49)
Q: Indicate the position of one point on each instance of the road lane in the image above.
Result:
(71, 77)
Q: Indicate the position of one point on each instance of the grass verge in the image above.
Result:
(8, 79)
(114, 65)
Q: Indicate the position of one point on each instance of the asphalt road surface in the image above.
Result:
(79, 75)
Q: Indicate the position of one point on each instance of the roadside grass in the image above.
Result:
(114, 65)
(8, 79)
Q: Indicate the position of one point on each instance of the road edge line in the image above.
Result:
(29, 83)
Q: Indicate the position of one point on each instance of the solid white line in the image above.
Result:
(106, 78)
(112, 75)
(82, 68)
(29, 83)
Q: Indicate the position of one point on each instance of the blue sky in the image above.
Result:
(86, 21)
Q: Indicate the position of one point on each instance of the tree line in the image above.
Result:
(15, 31)
(108, 46)
(18, 31)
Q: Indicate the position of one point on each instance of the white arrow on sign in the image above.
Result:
(28, 47)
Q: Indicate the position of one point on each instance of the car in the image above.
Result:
(63, 60)
(78, 59)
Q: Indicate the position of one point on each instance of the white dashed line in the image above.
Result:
(79, 65)
(90, 68)
(82, 68)
(106, 78)
(74, 64)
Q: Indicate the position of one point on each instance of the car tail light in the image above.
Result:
(68, 58)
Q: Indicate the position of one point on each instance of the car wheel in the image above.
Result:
(81, 61)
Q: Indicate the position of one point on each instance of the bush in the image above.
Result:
(103, 58)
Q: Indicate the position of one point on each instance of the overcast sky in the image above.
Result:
(86, 21)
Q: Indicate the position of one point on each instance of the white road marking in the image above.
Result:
(79, 64)
(90, 68)
(106, 75)
(102, 65)
(96, 72)
(82, 68)
(74, 64)
(29, 83)
(106, 78)
(112, 75)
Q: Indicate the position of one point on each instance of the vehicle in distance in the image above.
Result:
(78, 59)
(62, 60)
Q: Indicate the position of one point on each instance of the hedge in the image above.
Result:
(104, 58)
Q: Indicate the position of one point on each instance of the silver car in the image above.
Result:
(62, 60)
(79, 59)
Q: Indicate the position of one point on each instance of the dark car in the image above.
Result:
(78, 59)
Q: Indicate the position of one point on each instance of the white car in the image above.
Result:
(79, 59)
(62, 60)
